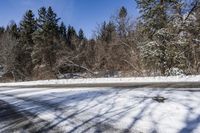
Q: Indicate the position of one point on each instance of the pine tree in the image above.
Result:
(81, 34)
(1, 30)
(42, 18)
(155, 18)
(24, 48)
(63, 31)
(46, 38)
(123, 12)
(51, 22)
(71, 37)
(153, 14)
(123, 23)
(81, 41)
(27, 27)
(13, 29)
(107, 32)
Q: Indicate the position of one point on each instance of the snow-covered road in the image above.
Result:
(99, 110)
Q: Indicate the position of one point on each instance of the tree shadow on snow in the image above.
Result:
(93, 110)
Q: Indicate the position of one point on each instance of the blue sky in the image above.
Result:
(85, 14)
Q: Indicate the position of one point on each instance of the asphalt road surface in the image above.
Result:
(103, 109)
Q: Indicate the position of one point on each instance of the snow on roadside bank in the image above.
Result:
(133, 80)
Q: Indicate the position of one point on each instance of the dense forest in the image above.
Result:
(164, 40)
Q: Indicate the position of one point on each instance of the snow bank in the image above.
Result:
(99, 81)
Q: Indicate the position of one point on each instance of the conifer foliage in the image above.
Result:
(165, 40)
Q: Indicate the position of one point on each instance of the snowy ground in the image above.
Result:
(99, 110)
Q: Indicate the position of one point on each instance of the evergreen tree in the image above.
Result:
(81, 34)
(46, 38)
(38, 37)
(123, 12)
(107, 32)
(41, 21)
(153, 15)
(63, 31)
(71, 37)
(123, 23)
(1, 30)
(51, 22)
(13, 29)
(27, 28)
(155, 18)
(81, 41)
(24, 48)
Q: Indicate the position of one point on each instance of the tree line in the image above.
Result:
(164, 40)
